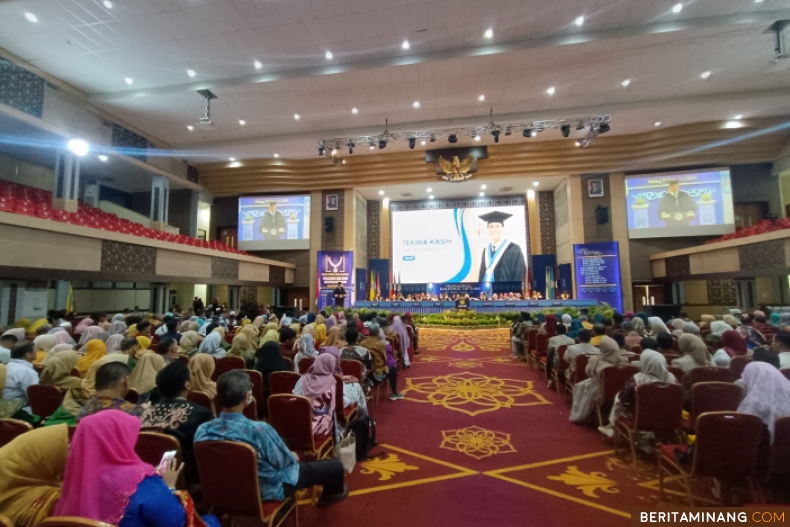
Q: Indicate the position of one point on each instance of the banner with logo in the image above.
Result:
(335, 268)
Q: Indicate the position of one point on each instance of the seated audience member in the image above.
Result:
(188, 345)
(517, 334)
(617, 321)
(632, 336)
(694, 353)
(287, 339)
(766, 354)
(320, 329)
(112, 383)
(599, 332)
(717, 329)
(171, 330)
(279, 471)
(333, 337)
(41, 345)
(582, 348)
(212, 345)
(243, 347)
(202, 368)
(143, 377)
(607, 323)
(31, 472)
(168, 346)
(588, 392)
(767, 393)
(404, 341)
(144, 329)
(378, 353)
(781, 345)
(657, 326)
(305, 347)
(691, 327)
(94, 350)
(648, 343)
(271, 360)
(176, 416)
(759, 320)
(552, 359)
(732, 345)
(624, 352)
(352, 351)
(57, 372)
(130, 347)
(20, 374)
(567, 320)
(318, 385)
(677, 327)
(550, 326)
(106, 481)
(7, 342)
(665, 341)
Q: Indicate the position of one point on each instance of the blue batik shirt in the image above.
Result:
(276, 464)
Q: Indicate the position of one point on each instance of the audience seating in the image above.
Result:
(44, 399)
(202, 399)
(352, 368)
(227, 364)
(283, 382)
(737, 365)
(10, 429)
(257, 391)
(636, 348)
(710, 374)
(72, 521)
(780, 449)
(132, 396)
(292, 417)
(786, 373)
(343, 415)
(712, 396)
(562, 365)
(532, 344)
(612, 381)
(579, 375)
(151, 446)
(659, 409)
(215, 460)
(540, 350)
(727, 448)
(677, 372)
(304, 364)
(181, 358)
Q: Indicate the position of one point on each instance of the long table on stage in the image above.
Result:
(424, 307)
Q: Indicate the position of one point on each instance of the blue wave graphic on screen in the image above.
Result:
(461, 228)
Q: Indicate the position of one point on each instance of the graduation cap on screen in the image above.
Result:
(495, 217)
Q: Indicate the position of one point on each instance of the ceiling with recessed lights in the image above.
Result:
(289, 72)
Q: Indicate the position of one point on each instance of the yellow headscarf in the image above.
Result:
(31, 474)
(188, 345)
(251, 334)
(271, 335)
(220, 330)
(143, 378)
(94, 350)
(144, 343)
(33, 328)
(242, 347)
(57, 372)
(131, 331)
(22, 323)
(201, 366)
(41, 345)
(245, 322)
(320, 330)
(77, 396)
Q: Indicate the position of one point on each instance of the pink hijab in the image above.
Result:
(103, 470)
(400, 329)
(88, 334)
(319, 379)
(62, 337)
(84, 324)
(335, 352)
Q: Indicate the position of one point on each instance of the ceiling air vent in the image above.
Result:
(407, 194)
(506, 189)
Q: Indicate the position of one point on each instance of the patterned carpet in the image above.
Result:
(480, 440)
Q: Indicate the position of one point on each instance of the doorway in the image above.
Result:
(648, 295)
(227, 235)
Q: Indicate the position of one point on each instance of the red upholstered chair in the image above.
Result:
(710, 374)
(612, 381)
(343, 415)
(227, 364)
(39, 368)
(711, 397)
(727, 448)
(151, 446)
(44, 400)
(283, 382)
(780, 449)
(202, 399)
(786, 373)
(541, 350)
(580, 364)
(677, 372)
(659, 409)
(304, 364)
(215, 460)
(352, 368)
(229, 338)
(737, 365)
(250, 411)
(532, 343)
(562, 365)
(181, 358)
(72, 521)
(257, 391)
(636, 348)
(10, 429)
(132, 396)
(292, 417)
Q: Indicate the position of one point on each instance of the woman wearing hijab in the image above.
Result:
(550, 326)
(269, 360)
(567, 320)
(189, 343)
(657, 326)
(318, 385)
(42, 345)
(767, 394)
(775, 318)
(251, 334)
(677, 327)
(694, 353)
(576, 326)
(732, 345)
(333, 338)
(114, 343)
(87, 335)
(717, 329)
(320, 330)
(331, 322)
(31, 472)
(405, 343)
(84, 324)
(632, 337)
(731, 321)
(57, 348)
(117, 328)
(144, 345)
(143, 378)
(212, 345)
(588, 392)
(271, 333)
(94, 350)
(691, 328)
(32, 330)
(706, 320)
(352, 389)
(242, 347)
(57, 372)
(201, 368)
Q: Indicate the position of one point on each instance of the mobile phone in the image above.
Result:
(166, 458)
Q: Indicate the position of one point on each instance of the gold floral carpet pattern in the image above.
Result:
(464, 340)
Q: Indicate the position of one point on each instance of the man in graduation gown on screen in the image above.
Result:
(502, 259)
(677, 208)
(272, 223)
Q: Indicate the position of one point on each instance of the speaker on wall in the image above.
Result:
(601, 215)
(329, 224)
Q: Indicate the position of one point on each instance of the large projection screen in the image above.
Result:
(680, 204)
(450, 245)
(274, 222)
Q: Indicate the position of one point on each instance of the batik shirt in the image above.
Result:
(96, 404)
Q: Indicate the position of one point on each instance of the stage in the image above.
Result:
(425, 307)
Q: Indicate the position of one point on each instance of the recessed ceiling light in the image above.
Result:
(489, 33)
(128, 80)
(297, 116)
(738, 117)
(416, 104)
(242, 122)
(481, 97)
(535, 184)
(430, 197)
(329, 55)
(405, 44)
(422, 143)
(232, 159)
(658, 123)
(677, 8)
(235, 164)
(333, 152)
(551, 90)
(626, 82)
(381, 192)
(276, 155)
(354, 110)
(705, 75)
(579, 21)
(482, 194)
(108, 4)
(31, 17)
(191, 72)
(190, 127)
(477, 138)
(257, 64)
(429, 189)
(733, 124)
(758, 1)
(103, 159)
(483, 187)
(79, 147)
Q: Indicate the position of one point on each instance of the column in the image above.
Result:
(67, 181)
(619, 219)
(160, 197)
(234, 296)
(160, 298)
(575, 219)
(91, 193)
(316, 230)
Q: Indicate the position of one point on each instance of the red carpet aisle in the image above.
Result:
(479, 440)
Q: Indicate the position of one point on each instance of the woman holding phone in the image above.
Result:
(105, 480)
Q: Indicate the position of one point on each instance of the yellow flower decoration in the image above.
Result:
(386, 468)
(477, 442)
(463, 364)
(587, 483)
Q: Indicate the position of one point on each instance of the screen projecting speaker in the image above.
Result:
(329, 224)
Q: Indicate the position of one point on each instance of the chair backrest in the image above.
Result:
(215, 460)
(304, 365)
(181, 358)
(75, 373)
(737, 365)
(562, 364)
(44, 400)
(581, 367)
(542, 344)
(352, 367)
(659, 407)
(532, 339)
(10, 429)
(202, 399)
(72, 521)
(613, 379)
(727, 445)
(257, 389)
(786, 373)
(132, 396)
(227, 364)
(710, 374)
(151, 446)
(713, 396)
(292, 417)
(780, 448)
(250, 411)
(677, 372)
(341, 418)
(283, 381)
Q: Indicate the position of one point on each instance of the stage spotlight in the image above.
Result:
(412, 142)
(604, 128)
(527, 132)
(320, 151)
(452, 138)
(508, 131)
(566, 130)
(495, 133)
(382, 144)
(579, 126)
(351, 146)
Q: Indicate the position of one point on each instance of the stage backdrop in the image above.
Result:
(335, 267)
(448, 245)
(598, 273)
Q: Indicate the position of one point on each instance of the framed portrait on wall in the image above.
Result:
(331, 202)
(595, 188)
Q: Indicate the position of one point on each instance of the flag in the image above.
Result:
(70, 300)
(378, 283)
(372, 286)
(528, 285)
(550, 282)
(317, 287)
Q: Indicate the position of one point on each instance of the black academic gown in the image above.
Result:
(271, 221)
(685, 203)
(511, 267)
(339, 295)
